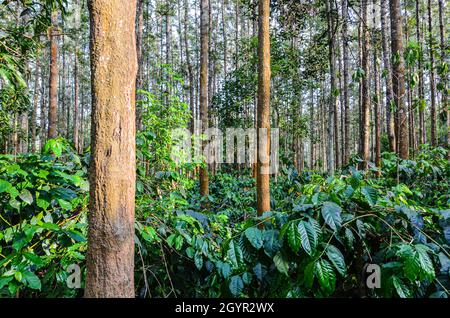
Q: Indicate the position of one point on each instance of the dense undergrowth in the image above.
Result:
(317, 241)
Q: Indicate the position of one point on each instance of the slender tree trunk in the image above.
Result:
(110, 257)
(398, 77)
(204, 65)
(224, 36)
(390, 125)
(35, 104)
(365, 91)
(312, 128)
(335, 92)
(421, 81)
(139, 35)
(346, 105)
(236, 34)
(433, 112)
(444, 76)
(75, 103)
(411, 122)
(377, 99)
(44, 112)
(331, 161)
(189, 66)
(65, 105)
(168, 32)
(263, 127)
(82, 125)
(53, 79)
(23, 137)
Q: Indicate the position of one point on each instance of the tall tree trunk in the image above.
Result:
(377, 99)
(444, 76)
(312, 128)
(433, 112)
(411, 122)
(204, 65)
(44, 112)
(346, 105)
(53, 79)
(224, 36)
(263, 127)
(390, 125)
(23, 138)
(35, 104)
(189, 66)
(421, 81)
(75, 102)
(365, 91)
(139, 35)
(110, 257)
(398, 77)
(331, 161)
(82, 125)
(236, 34)
(168, 32)
(65, 114)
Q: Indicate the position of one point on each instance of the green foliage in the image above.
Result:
(310, 245)
(42, 220)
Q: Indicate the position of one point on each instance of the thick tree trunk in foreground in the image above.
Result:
(53, 79)
(204, 64)
(263, 123)
(110, 257)
(398, 77)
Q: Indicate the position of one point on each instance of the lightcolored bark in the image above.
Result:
(110, 257)
(263, 122)
(204, 78)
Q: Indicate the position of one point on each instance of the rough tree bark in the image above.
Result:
(345, 38)
(110, 257)
(377, 99)
(75, 103)
(53, 79)
(444, 77)
(398, 79)
(189, 66)
(331, 161)
(35, 104)
(204, 65)
(421, 81)
(43, 110)
(390, 125)
(433, 112)
(365, 91)
(263, 122)
(139, 35)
